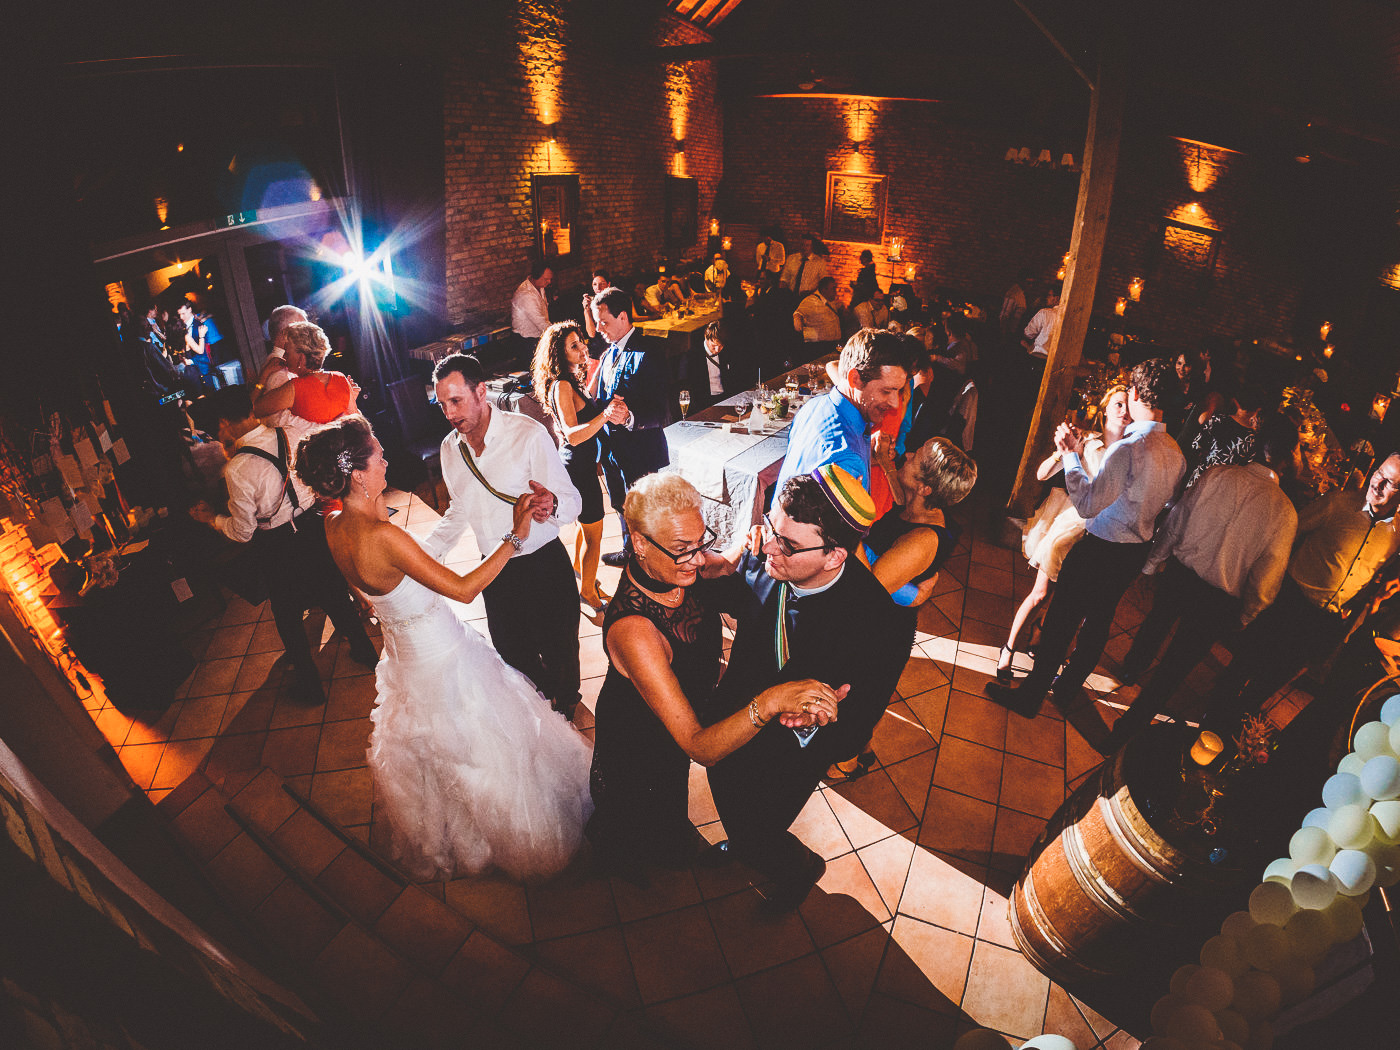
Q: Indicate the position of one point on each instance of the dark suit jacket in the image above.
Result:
(852, 633)
(643, 381)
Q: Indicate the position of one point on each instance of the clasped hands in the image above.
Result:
(807, 702)
(1068, 439)
(617, 411)
(536, 505)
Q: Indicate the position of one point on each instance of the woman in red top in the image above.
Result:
(316, 396)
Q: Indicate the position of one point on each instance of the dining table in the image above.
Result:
(732, 451)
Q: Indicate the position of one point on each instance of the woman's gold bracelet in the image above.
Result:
(758, 722)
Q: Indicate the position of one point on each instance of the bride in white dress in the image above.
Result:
(471, 766)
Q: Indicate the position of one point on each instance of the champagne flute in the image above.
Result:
(684, 397)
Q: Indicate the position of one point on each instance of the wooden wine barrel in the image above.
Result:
(1103, 886)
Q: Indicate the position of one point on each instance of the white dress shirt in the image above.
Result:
(1139, 475)
(529, 310)
(516, 451)
(1234, 529)
(717, 276)
(257, 496)
(1042, 329)
(1340, 548)
(813, 272)
(869, 316)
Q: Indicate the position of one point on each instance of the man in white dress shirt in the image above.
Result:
(487, 462)
(802, 272)
(1120, 504)
(1225, 546)
(529, 309)
(816, 317)
(269, 507)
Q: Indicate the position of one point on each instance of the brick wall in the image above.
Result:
(970, 219)
(618, 115)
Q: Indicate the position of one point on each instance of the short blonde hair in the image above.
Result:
(947, 470)
(658, 497)
(308, 340)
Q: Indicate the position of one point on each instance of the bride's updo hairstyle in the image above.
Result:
(326, 457)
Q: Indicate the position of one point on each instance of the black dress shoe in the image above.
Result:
(1024, 700)
(786, 896)
(365, 657)
(615, 560)
(716, 855)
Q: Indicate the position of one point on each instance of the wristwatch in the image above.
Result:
(514, 540)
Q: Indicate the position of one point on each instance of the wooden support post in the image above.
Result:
(1082, 277)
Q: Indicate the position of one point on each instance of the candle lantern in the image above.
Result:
(1135, 289)
(714, 227)
(1121, 306)
(1327, 350)
(909, 273)
(727, 243)
(1326, 329)
(1380, 405)
(1206, 749)
(896, 249)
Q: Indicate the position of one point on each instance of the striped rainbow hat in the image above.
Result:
(847, 495)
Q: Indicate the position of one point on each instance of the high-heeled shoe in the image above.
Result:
(1006, 674)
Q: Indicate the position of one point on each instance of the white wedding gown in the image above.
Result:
(471, 765)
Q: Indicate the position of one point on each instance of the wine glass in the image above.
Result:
(684, 398)
(741, 408)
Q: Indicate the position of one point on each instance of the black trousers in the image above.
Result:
(1286, 637)
(1202, 615)
(302, 575)
(1093, 578)
(532, 611)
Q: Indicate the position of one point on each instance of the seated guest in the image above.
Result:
(664, 293)
(716, 364)
(560, 375)
(869, 381)
(270, 507)
(871, 312)
(807, 610)
(1225, 546)
(1337, 574)
(717, 274)
(816, 316)
(529, 306)
(314, 395)
(639, 302)
(662, 636)
(1227, 439)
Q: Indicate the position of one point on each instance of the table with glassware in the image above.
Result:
(684, 331)
(733, 450)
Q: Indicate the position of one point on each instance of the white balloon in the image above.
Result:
(1182, 975)
(1257, 995)
(1224, 954)
(1193, 1024)
(1390, 710)
(1270, 902)
(1210, 988)
(982, 1039)
(1351, 827)
(1314, 886)
(1317, 818)
(1049, 1042)
(1311, 846)
(1372, 739)
(1380, 777)
(1387, 816)
(1355, 872)
(1342, 789)
(1281, 870)
(1234, 1027)
(1352, 763)
(1266, 948)
(1395, 737)
(1310, 933)
(1163, 1010)
(1237, 924)
(1295, 981)
(1261, 1035)
(1345, 916)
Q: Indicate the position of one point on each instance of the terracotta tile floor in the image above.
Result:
(906, 939)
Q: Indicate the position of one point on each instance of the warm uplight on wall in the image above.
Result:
(1135, 289)
(551, 132)
(1121, 306)
(543, 32)
(1326, 329)
(679, 145)
(162, 211)
(1390, 277)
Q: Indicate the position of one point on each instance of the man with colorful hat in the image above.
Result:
(808, 610)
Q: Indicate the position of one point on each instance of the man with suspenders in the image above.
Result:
(268, 506)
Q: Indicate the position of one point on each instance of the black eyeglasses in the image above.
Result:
(784, 544)
(690, 555)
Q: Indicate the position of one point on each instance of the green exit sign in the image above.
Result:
(240, 218)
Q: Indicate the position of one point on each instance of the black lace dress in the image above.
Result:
(640, 777)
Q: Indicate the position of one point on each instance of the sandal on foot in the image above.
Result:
(1006, 674)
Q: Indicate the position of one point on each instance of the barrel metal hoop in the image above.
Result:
(1069, 963)
(1133, 847)
(1090, 879)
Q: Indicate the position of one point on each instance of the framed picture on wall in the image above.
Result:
(555, 200)
(855, 207)
(682, 206)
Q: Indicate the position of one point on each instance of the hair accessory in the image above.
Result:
(848, 496)
(345, 461)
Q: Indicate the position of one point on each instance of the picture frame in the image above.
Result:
(855, 207)
(555, 210)
(682, 210)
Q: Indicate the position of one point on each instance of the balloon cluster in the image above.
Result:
(1308, 902)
